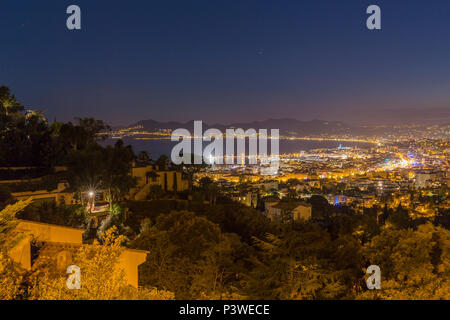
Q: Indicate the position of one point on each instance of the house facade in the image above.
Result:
(61, 242)
(148, 176)
(295, 210)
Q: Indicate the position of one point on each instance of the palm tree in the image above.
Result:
(38, 114)
(163, 162)
(8, 102)
(144, 159)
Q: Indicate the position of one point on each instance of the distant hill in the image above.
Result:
(421, 116)
(286, 126)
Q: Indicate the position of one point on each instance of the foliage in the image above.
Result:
(155, 192)
(297, 265)
(162, 162)
(48, 183)
(10, 275)
(143, 159)
(189, 256)
(27, 139)
(51, 212)
(102, 279)
(8, 223)
(102, 168)
(414, 264)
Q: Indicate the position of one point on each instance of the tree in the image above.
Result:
(175, 182)
(116, 178)
(25, 140)
(209, 189)
(189, 256)
(293, 266)
(94, 128)
(102, 279)
(53, 213)
(414, 264)
(155, 192)
(163, 162)
(10, 273)
(320, 207)
(84, 169)
(8, 102)
(97, 168)
(399, 218)
(239, 219)
(143, 159)
(8, 223)
(443, 218)
(82, 135)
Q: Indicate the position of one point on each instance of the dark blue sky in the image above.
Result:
(222, 61)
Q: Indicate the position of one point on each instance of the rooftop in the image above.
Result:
(291, 205)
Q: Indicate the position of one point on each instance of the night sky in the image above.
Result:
(223, 61)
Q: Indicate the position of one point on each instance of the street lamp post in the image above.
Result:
(91, 200)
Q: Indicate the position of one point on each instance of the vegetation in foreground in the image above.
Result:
(208, 247)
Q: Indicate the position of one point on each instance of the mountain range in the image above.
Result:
(286, 126)
(356, 121)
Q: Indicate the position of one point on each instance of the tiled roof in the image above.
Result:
(284, 205)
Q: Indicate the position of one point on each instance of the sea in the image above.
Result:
(158, 147)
